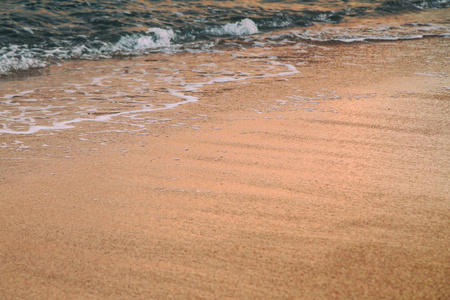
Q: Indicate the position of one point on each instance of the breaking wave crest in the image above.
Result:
(153, 38)
(17, 62)
(240, 28)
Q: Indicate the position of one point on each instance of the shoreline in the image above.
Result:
(328, 183)
(420, 18)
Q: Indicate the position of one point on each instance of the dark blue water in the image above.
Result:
(35, 33)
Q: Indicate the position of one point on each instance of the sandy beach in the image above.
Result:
(327, 181)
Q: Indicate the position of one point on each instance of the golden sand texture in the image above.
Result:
(275, 192)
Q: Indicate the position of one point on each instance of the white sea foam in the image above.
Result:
(22, 57)
(22, 119)
(154, 38)
(9, 63)
(102, 118)
(17, 95)
(28, 29)
(241, 28)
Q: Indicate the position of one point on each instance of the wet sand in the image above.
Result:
(329, 183)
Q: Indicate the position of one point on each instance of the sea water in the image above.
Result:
(35, 35)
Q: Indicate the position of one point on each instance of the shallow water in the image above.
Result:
(129, 93)
(94, 91)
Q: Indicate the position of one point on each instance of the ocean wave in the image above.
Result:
(22, 57)
(32, 39)
(397, 6)
(154, 38)
(16, 58)
(240, 28)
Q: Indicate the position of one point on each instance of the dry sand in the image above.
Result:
(257, 195)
